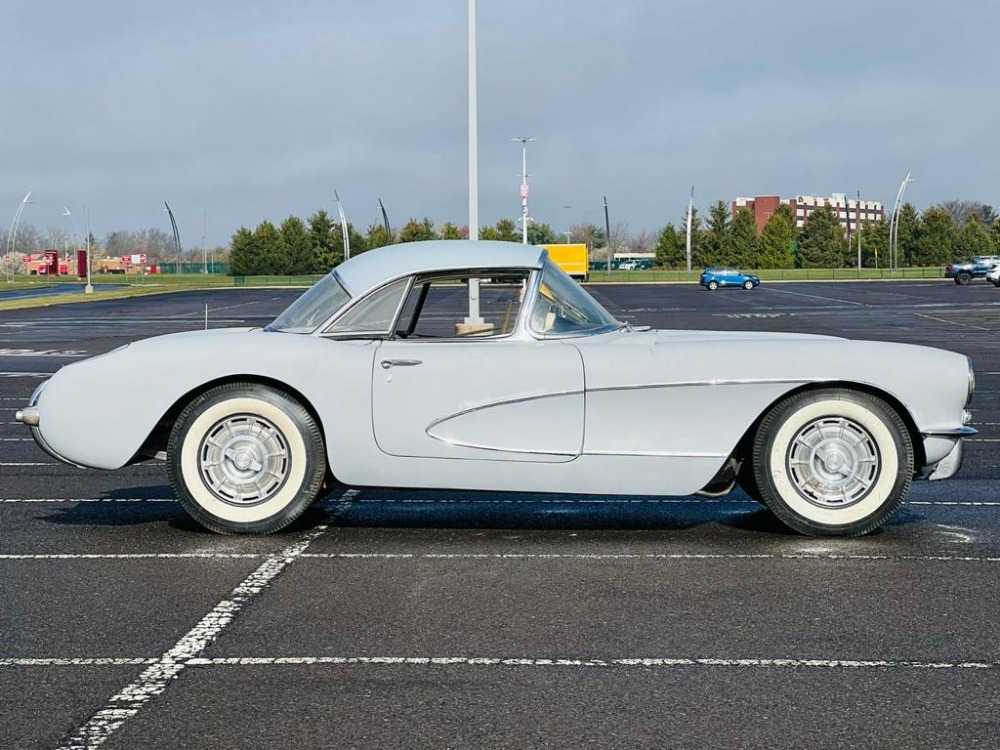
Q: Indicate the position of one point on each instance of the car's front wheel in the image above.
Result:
(748, 284)
(834, 462)
(245, 459)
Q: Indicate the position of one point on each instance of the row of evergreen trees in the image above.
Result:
(932, 238)
(929, 239)
(316, 245)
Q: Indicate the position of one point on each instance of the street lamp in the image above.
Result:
(524, 186)
(89, 289)
(12, 235)
(474, 317)
(894, 224)
(690, 217)
(343, 226)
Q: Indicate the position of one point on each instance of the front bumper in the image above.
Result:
(948, 466)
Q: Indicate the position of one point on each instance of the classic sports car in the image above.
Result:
(481, 365)
(713, 278)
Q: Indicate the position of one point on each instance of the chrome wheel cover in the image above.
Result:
(833, 462)
(244, 459)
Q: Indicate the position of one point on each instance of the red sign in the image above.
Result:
(126, 260)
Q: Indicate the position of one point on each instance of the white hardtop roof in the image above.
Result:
(375, 267)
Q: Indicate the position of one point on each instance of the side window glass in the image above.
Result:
(374, 314)
(437, 307)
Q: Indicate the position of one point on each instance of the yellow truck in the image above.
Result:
(572, 258)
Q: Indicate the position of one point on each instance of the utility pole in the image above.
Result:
(89, 289)
(607, 231)
(857, 220)
(690, 217)
(524, 186)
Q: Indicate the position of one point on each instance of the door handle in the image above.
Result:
(387, 363)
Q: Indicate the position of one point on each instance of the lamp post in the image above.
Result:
(524, 186)
(343, 226)
(12, 235)
(607, 231)
(894, 224)
(177, 236)
(89, 289)
(857, 221)
(204, 247)
(474, 317)
(690, 217)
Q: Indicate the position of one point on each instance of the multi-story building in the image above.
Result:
(850, 211)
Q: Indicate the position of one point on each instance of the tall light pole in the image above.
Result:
(343, 226)
(12, 235)
(474, 317)
(89, 289)
(894, 224)
(607, 231)
(177, 236)
(690, 218)
(204, 247)
(524, 186)
(857, 221)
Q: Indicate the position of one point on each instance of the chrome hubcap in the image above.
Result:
(833, 462)
(244, 460)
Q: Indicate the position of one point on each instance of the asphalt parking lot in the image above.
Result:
(394, 619)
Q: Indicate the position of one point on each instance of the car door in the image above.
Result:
(489, 399)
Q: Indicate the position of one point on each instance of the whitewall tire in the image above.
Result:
(834, 462)
(245, 459)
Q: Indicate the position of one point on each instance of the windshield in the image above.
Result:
(314, 307)
(563, 307)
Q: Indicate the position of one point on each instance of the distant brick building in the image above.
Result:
(849, 211)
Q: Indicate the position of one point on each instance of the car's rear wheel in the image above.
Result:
(713, 285)
(964, 278)
(245, 459)
(834, 462)
(748, 284)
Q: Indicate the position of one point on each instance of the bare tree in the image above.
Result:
(961, 210)
(620, 238)
(643, 242)
(28, 240)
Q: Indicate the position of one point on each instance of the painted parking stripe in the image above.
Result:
(127, 702)
(491, 661)
(56, 463)
(512, 556)
(26, 374)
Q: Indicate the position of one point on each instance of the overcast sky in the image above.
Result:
(241, 110)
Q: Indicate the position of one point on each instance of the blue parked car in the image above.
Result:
(713, 278)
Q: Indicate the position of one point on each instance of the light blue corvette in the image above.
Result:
(482, 366)
(713, 278)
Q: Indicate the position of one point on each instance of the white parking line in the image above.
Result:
(478, 662)
(158, 675)
(514, 556)
(816, 296)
